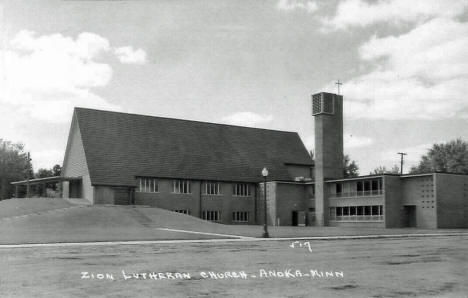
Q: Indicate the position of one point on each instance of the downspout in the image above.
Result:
(200, 200)
(255, 204)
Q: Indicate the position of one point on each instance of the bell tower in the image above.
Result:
(327, 108)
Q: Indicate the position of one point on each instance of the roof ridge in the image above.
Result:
(187, 120)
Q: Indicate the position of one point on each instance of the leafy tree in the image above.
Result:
(383, 170)
(57, 170)
(43, 173)
(350, 167)
(14, 165)
(450, 157)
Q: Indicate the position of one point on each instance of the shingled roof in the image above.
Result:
(121, 146)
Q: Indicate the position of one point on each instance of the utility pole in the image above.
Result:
(28, 170)
(401, 161)
(338, 84)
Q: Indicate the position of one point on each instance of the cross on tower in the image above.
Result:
(338, 84)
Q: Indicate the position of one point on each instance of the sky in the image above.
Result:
(403, 64)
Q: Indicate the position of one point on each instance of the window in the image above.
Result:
(241, 190)
(240, 216)
(183, 211)
(212, 188)
(367, 186)
(148, 185)
(339, 188)
(181, 186)
(367, 210)
(375, 210)
(360, 210)
(345, 210)
(211, 215)
(359, 186)
(357, 213)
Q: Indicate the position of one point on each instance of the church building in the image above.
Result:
(214, 172)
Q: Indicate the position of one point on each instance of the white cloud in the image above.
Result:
(351, 141)
(128, 55)
(46, 76)
(361, 13)
(290, 5)
(247, 119)
(422, 74)
(41, 79)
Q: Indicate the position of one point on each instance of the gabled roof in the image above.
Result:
(121, 146)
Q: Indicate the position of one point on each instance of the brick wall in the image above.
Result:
(225, 202)
(393, 211)
(289, 197)
(419, 191)
(452, 200)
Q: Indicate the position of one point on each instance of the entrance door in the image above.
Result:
(410, 216)
(75, 187)
(294, 218)
(121, 196)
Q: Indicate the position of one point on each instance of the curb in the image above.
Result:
(218, 240)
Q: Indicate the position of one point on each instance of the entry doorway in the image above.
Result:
(295, 217)
(410, 216)
(75, 189)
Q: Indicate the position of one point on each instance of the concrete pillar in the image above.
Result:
(65, 189)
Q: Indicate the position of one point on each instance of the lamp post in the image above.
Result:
(265, 224)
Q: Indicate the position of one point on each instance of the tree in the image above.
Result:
(14, 165)
(383, 170)
(43, 173)
(350, 167)
(57, 169)
(451, 157)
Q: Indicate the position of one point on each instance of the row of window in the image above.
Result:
(181, 186)
(357, 213)
(358, 188)
(184, 187)
(215, 215)
(240, 216)
(148, 185)
(183, 211)
(211, 215)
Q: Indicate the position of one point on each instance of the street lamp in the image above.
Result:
(265, 224)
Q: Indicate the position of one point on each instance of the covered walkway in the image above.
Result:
(39, 187)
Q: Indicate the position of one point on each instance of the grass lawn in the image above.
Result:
(410, 267)
(120, 223)
(15, 207)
